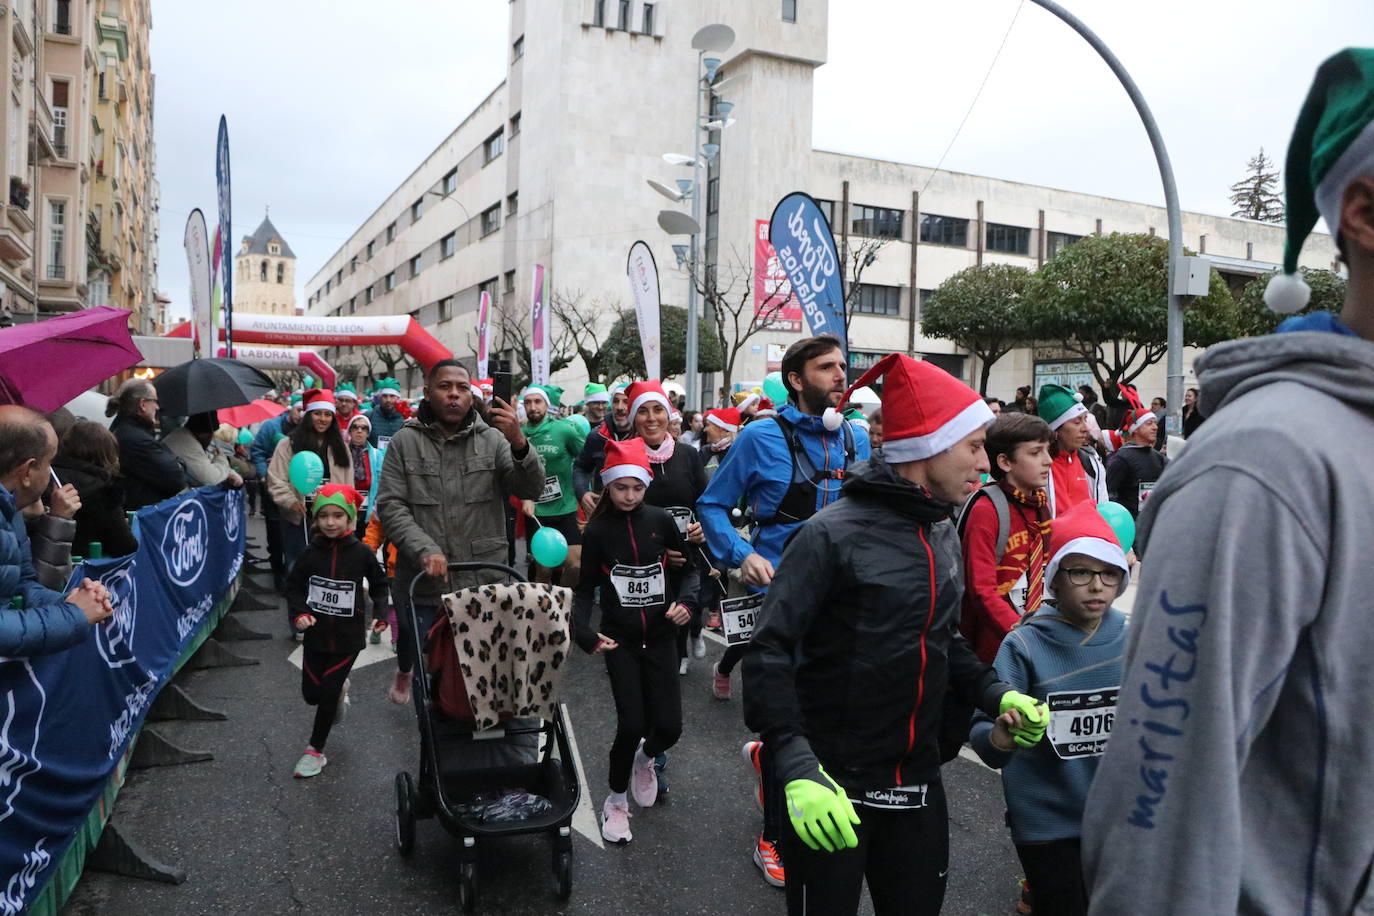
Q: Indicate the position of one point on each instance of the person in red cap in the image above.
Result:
(324, 595)
(855, 647)
(644, 601)
(1136, 466)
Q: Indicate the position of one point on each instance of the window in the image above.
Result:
(789, 10)
(446, 308)
(510, 282)
(352, 304)
(488, 287)
(517, 50)
(391, 233)
(451, 182)
(416, 209)
(493, 146)
(1008, 239)
(944, 230)
(828, 208)
(878, 300)
(262, 275)
(281, 272)
(371, 246)
(448, 245)
(599, 13)
(338, 277)
(877, 222)
(491, 219)
(62, 17)
(415, 266)
(57, 240)
(369, 295)
(389, 281)
(515, 124)
(353, 265)
(512, 203)
(922, 297)
(624, 15)
(1056, 242)
(60, 92)
(648, 19)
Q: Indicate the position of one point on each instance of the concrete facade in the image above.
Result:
(551, 169)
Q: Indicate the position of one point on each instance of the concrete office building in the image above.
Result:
(551, 169)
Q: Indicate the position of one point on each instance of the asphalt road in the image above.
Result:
(253, 840)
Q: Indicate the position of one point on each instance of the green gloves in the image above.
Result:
(821, 813)
(1035, 717)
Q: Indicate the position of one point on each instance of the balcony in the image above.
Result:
(14, 248)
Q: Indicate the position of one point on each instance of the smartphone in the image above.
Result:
(501, 387)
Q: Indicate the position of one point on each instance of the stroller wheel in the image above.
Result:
(405, 814)
(467, 886)
(562, 871)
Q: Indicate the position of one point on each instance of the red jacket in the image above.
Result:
(987, 614)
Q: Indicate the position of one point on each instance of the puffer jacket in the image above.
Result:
(50, 548)
(858, 639)
(447, 494)
(385, 424)
(149, 470)
(48, 623)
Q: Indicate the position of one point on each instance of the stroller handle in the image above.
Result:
(465, 567)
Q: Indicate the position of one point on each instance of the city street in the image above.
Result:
(254, 840)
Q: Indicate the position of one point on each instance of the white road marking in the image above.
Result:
(584, 818)
(370, 655)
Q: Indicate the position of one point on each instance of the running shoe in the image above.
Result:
(720, 683)
(310, 764)
(399, 692)
(682, 667)
(699, 646)
(375, 637)
(341, 712)
(713, 619)
(615, 822)
(1025, 905)
(661, 764)
(769, 861)
(643, 779)
(750, 752)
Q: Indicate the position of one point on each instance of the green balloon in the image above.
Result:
(306, 472)
(549, 548)
(1119, 517)
(245, 437)
(774, 389)
(583, 426)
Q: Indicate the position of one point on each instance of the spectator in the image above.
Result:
(51, 528)
(47, 622)
(317, 433)
(205, 467)
(88, 458)
(151, 471)
(995, 405)
(1192, 417)
(691, 429)
(270, 432)
(1160, 408)
(386, 418)
(1023, 402)
(1095, 407)
(367, 465)
(875, 428)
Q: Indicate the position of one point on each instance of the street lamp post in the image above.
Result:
(1174, 364)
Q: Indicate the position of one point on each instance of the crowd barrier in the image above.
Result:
(68, 721)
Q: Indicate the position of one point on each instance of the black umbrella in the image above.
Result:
(201, 385)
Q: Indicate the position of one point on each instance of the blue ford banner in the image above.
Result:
(806, 250)
(66, 719)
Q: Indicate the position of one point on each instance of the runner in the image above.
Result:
(595, 399)
(386, 418)
(1136, 466)
(855, 646)
(346, 404)
(587, 468)
(784, 470)
(644, 600)
(558, 443)
(1077, 474)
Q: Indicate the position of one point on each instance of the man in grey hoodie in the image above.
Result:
(1237, 778)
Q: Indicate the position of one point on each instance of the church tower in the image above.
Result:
(265, 274)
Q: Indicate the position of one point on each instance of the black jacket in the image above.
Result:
(858, 639)
(342, 630)
(679, 481)
(587, 465)
(101, 516)
(639, 538)
(149, 470)
(1131, 466)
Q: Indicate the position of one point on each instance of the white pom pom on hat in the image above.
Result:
(832, 419)
(1287, 293)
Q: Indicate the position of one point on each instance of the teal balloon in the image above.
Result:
(306, 472)
(549, 548)
(245, 437)
(308, 381)
(583, 427)
(1119, 517)
(774, 389)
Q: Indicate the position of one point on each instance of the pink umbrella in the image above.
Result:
(45, 364)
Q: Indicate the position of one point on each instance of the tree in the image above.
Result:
(511, 332)
(622, 355)
(858, 255)
(583, 321)
(1105, 299)
(1255, 318)
(983, 310)
(1256, 195)
(731, 312)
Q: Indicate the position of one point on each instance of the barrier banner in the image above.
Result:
(806, 250)
(539, 325)
(483, 333)
(66, 719)
(644, 290)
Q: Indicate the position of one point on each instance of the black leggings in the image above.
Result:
(904, 855)
(1054, 871)
(648, 704)
(691, 628)
(322, 679)
(732, 657)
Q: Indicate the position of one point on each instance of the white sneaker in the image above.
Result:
(615, 822)
(643, 779)
(310, 764)
(699, 646)
(682, 667)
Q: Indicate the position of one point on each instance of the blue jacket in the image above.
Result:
(265, 442)
(48, 623)
(758, 470)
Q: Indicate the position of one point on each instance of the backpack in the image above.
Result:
(999, 502)
(799, 502)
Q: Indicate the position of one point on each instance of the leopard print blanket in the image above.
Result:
(512, 641)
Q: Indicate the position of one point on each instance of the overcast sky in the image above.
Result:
(332, 104)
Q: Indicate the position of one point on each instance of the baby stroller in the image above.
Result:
(458, 762)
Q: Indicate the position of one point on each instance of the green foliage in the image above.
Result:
(1256, 196)
(621, 355)
(1255, 318)
(1105, 299)
(982, 309)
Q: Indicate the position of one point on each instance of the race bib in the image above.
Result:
(383, 441)
(902, 798)
(737, 617)
(1018, 593)
(1143, 491)
(331, 596)
(683, 517)
(638, 586)
(552, 492)
(1081, 721)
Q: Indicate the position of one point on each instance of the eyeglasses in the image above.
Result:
(1080, 576)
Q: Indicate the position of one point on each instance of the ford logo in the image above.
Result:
(115, 639)
(186, 542)
(233, 514)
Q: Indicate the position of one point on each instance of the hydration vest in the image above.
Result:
(799, 502)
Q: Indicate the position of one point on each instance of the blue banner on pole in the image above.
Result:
(66, 718)
(801, 236)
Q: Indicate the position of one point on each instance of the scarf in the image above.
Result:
(662, 453)
(1038, 501)
(361, 471)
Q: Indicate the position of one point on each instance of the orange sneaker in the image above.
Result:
(769, 861)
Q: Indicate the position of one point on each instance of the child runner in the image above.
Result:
(1068, 655)
(643, 602)
(324, 594)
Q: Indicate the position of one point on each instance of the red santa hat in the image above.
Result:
(1082, 530)
(486, 386)
(628, 458)
(650, 392)
(318, 399)
(925, 409)
(764, 409)
(727, 418)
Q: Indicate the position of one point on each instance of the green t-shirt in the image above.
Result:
(558, 443)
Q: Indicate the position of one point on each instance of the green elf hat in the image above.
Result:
(338, 494)
(1058, 405)
(596, 394)
(387, 385)
(295, 399)
(555, 394)
(1332, 145)
(346, 390)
